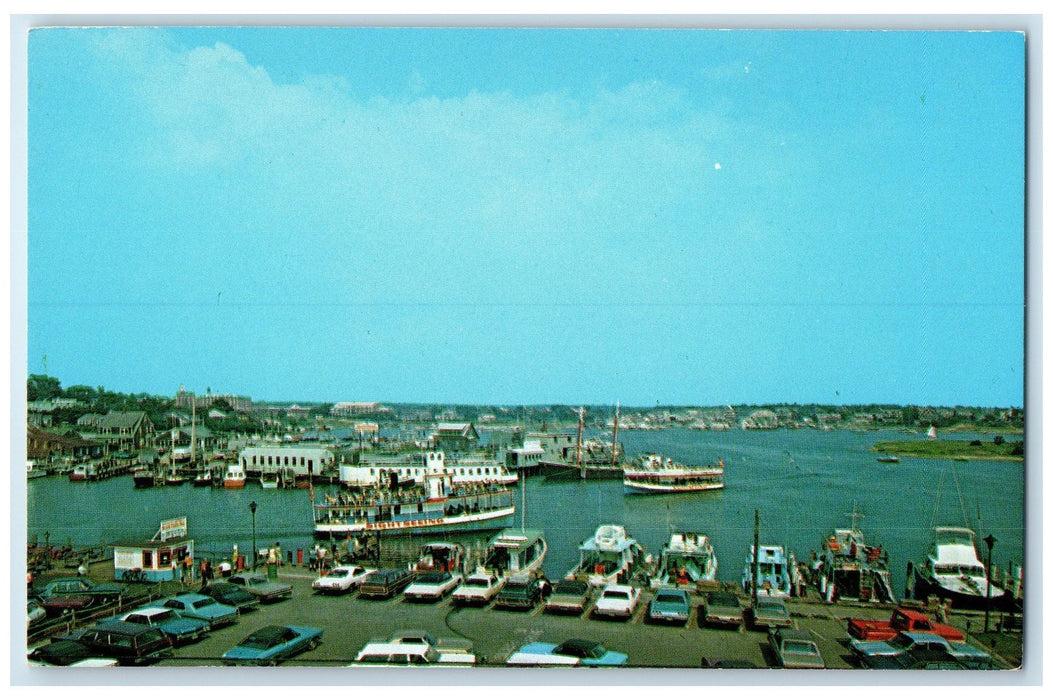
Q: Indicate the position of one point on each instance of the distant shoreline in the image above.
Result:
(952, 449)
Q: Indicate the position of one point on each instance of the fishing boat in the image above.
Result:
(84, 472)
(514, 552)
(203, 477)
(234, 478)
(609, 556)
(653, 475)
(440, 556)
(438, 506)
(776, 572)
(953, 571)
(850, 569)
(890, 459)
(687, 559)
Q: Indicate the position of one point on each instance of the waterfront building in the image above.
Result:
(455, 437)
(299, 460)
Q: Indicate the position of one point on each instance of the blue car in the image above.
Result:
(669, 605)
(573, 652)
(181, 630)
(202, 607)
(269, 646)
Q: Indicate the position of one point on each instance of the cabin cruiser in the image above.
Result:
(953, 570)
(609, 556)
(776, 572)
(686, 559)
(514, 552)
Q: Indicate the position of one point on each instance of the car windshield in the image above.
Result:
(163, 616)
(620, 595)
(260, 642)
(516, 586)
(571, 587)
(203, 603)
(669, 598)
(434, 577)
(724, 599)
(582, 650)
(795, 647)
(478, 581)
(772, 606)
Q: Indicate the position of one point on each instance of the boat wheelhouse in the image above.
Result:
(609, 556)
(850, 569)
(776, 572)
(953, 571)
(234, 477)
(652, 474)
(514, 552)
(687, 559)
(438, 506)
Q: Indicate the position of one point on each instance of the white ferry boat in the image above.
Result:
(440, 505)
(654, 475)
(408, 470)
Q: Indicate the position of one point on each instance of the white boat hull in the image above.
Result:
(491, 520)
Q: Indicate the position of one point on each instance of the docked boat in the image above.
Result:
(514, 552)
(84, 472)
(776, 572)
(410, 470)
(609, 556)
(204, 477)
(33, 471)
(652, 474)
(850, 569)
(234, 478)
(440, 556)
(954, 571)
(438, 506)
(174, 478)
(144, 478)
(889, 459)
(269, 480)
(687, 559)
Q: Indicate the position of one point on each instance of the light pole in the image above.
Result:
(252, 507)
(990, 542)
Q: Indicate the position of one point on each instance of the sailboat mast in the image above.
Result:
(614, 443)
(193, 425)
(581, 425)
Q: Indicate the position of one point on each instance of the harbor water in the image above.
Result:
(805, 483)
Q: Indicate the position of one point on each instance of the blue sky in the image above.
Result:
(529, 216)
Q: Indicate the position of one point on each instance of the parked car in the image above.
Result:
(569, 597)
(723, 610)
(669, 605)
(913, 646)
(179, 629)
(769, 613)
(263, 588)
(519, 592)
(573, 652)
(202, 607)
(796, 649)
(477, 589)
(432, 585)
(129, 643)
(385, 583)
(66, 652)
(269, 646)
(75, 592)
(617, 601)
(341, 579)
(229, 594)
(416, 648)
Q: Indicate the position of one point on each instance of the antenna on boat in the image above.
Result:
(961, 498)
(855, 514)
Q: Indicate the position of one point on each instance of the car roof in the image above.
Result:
(123, 627)
(801, 635)
(618, 587)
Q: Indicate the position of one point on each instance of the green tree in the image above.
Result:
(41, 387)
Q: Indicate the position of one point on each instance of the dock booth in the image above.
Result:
(159, 558)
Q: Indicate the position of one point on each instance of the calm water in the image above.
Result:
(803, 482)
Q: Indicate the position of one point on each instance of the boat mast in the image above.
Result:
(581, 425)
(193, 424)
(756, 556)
(614, 443)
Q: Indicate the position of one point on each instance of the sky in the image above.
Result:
(529, 216)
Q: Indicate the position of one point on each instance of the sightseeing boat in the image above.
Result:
(234, 478)
(687, 559)
(953, 571)
(653, 475)
(437, 506)
(609, 556)
(514, 552)
(850, 569)
(776, 572)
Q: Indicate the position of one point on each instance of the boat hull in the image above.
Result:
(497, 519)
(233, 483)
(924, 587)
(559, 471)
(641, 489)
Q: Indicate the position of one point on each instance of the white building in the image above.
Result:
(302, 460)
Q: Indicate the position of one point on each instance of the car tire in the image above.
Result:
(313, 644)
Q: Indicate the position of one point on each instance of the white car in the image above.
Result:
(477, 589)
(416, 648)
(432, 585)
(617, 601)
(341, 579)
